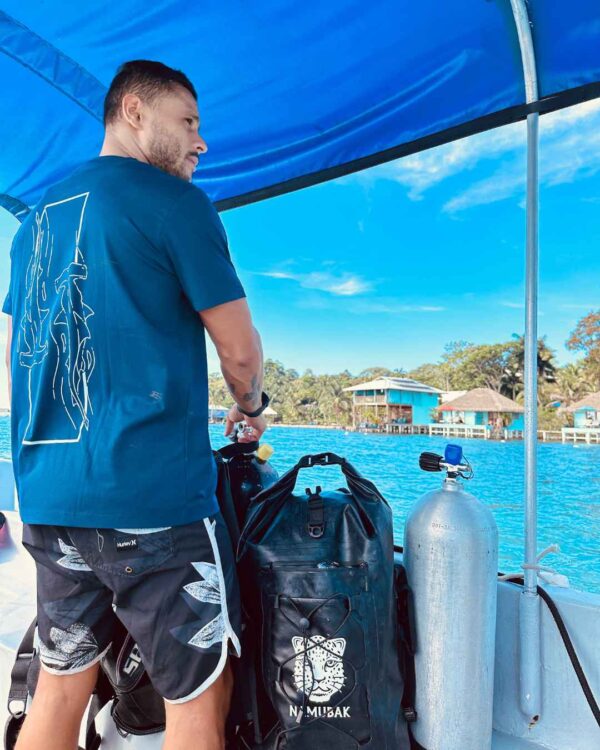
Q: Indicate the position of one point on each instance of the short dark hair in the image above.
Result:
(146, 78)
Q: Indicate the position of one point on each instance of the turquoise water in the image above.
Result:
(569, 486)
(568, 500)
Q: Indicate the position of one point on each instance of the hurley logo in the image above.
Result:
(125, 544)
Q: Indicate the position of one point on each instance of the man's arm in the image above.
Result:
(7, 355)
(240, 352)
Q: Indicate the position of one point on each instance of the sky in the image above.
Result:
(384, 267)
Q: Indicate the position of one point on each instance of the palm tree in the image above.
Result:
(513, 380)
(573, 382)
(335, 403)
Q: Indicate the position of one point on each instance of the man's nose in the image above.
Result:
(201, 146)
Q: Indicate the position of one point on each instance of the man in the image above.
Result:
(115, 276)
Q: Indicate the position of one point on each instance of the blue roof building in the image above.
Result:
(393, 400)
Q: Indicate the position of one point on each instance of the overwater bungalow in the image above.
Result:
(586, 420)
(271, 415)
(486, 408)
(586, 411)
(390, 400)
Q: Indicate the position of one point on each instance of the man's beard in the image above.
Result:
(165, 153)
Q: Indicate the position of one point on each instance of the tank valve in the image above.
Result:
(264, 452)
(453, 461)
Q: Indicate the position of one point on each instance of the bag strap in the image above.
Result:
(406, 643)
(288, 481)
(17, 693)
(270, 500)
(92, 738)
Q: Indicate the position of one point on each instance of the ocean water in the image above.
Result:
(568, 481)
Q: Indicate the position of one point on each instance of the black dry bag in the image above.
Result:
(318, 577)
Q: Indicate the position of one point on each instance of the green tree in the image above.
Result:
(372, 373)
(482, 366)
(514, 379)
(585, 338)
(436, 375)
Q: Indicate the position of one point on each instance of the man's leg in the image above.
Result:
(199, 724)
(183, 611)
(56, 711)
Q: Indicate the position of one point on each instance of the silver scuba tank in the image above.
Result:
(451, 560)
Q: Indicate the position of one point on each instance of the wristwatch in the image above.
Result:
(261, 408)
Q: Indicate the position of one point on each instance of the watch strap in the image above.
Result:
(261, 408)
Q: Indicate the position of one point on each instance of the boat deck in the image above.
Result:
(506, 742)
(563, 702)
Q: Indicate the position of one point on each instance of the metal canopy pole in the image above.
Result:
(529, 607)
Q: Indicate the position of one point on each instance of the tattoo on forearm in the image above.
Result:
(254, 393)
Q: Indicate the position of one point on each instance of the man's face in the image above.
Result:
(172, 142)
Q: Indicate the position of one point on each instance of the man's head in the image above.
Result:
(151, 110)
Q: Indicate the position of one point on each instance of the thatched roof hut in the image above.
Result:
(591, 402)
(484, 400)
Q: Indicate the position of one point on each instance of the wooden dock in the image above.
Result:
(482, 432)
(439, 429)
(587, 435)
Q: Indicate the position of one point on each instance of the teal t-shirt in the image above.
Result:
(108, 358)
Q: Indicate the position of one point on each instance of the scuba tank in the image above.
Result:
(451, 559)
(248, 472)
(243, 472)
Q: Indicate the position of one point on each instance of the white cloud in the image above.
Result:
(367, 306)
(579, 306)
(341, 284)
(569, 150)
(392, 307)
(514, 305)
(419, 172)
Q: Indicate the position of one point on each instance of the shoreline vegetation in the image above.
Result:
(310, 400)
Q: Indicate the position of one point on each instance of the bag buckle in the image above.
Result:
(319, 459)
(316, 513)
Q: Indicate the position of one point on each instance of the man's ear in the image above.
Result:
(131, 110)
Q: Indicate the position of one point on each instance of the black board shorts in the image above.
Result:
(174, 589)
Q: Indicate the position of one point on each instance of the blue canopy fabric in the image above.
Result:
(290, 93)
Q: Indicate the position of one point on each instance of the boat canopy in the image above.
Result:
(290, 93)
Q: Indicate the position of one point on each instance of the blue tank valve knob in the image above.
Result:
(453, 455)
